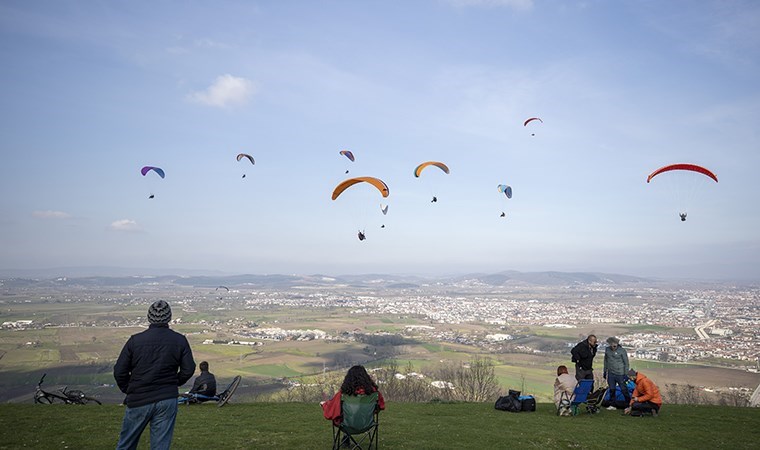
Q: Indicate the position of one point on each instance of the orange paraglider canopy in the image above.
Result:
(440, 165)
(376, 182)
(690, 167)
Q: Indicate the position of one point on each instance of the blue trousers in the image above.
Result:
(161, 415)
(612, 380)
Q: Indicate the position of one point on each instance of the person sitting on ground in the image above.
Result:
(646, 397)
(356, 382)
(564, 383)
(615, 369)
(205, 383)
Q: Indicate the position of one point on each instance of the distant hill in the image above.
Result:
(366, 281)
(549, 278)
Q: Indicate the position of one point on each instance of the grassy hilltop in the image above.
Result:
(402, 425)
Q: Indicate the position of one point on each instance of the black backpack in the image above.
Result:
(510, 402)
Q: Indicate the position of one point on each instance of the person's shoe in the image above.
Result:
(611, 408)
(655, 413)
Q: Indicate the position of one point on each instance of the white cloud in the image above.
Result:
(51, 215)
(226, 90)
(124, 225)
(521, 5)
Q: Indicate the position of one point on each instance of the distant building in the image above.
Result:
(754, 401)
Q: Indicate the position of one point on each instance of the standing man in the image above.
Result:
(646, 397)
(615, 369)
(583, 357)
(151, 367)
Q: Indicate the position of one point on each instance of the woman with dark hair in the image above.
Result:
(356, 382)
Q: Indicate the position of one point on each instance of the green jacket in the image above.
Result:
(616, 361)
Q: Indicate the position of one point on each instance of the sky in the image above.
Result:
(92, 91)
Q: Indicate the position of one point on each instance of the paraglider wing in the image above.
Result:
(347, 154)
(531, 120)
(158, 170)
(245, 155)
(506, 190)
(222, 287)
(690, 167)
(376, 182)
(440, 165)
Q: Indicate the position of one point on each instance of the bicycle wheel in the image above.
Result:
(49, 399)
(227, 394)
(86, 400)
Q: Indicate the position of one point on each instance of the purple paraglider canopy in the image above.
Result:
(158, 170)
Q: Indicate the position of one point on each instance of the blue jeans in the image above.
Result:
(161, 416)
(612, 380)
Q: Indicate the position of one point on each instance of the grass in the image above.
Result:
(402, 425)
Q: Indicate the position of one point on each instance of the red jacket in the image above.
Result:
(331, 408)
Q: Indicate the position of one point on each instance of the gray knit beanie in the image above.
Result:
(160, 312)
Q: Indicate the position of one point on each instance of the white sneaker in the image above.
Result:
(611, 408)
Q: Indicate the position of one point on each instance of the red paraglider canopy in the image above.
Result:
(691, 167)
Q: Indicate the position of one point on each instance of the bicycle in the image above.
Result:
(220, 399)
(64, 396)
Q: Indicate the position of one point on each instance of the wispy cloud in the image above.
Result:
(51, 215)
(127, 225)
(227, 90)
(521, 5)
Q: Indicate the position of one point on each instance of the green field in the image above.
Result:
(402, 426)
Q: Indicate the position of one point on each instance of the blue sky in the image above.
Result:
(93, 91)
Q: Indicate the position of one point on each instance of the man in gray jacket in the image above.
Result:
(615, 369)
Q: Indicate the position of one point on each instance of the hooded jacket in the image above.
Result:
(616, 361)
(152, 365)
(646, 391)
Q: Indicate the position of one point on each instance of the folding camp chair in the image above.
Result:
(359, 424)
(582, 394)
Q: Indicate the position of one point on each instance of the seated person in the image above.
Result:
(645, 398)
(205, 384)
(356, 382)
(563, 383)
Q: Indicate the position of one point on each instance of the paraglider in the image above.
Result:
(418, 171)
(348, 154)
(682, 167)
(221, 287)
(246, 156)
(159, 171)
(374, 182)
(525, 124)
(507, 191)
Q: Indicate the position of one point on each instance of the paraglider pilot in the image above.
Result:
(435, 199)
(503, 214)
(361, 236)
(683, 217)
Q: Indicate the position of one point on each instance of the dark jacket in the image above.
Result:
(205, 384)
(583, 355)
(152, 365)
